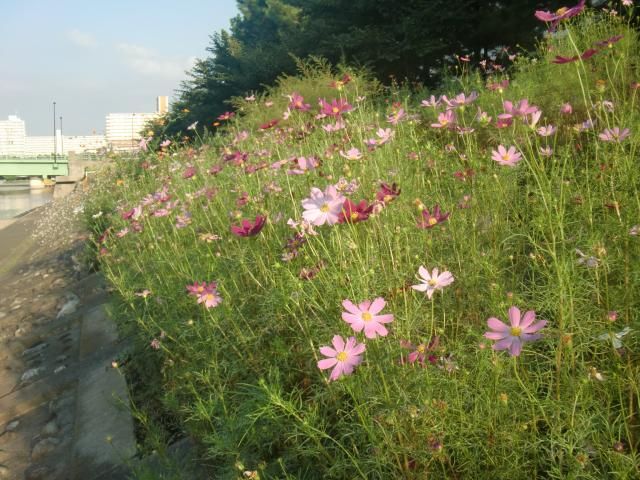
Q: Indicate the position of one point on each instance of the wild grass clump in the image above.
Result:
(526, 196)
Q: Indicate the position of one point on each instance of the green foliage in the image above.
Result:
(553, 234)
(410, 40)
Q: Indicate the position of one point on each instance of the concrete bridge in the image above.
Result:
(34, 167)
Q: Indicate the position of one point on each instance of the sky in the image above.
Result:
(98, 57)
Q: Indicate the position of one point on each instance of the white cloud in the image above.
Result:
(81, 39)
(149, 62)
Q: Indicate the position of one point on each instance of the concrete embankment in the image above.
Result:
(63, 408)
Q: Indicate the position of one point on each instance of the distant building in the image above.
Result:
(124, 130)
(12, 136)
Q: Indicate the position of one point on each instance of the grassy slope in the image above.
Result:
(243, 377)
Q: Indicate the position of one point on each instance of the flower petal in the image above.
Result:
(514, 316)
(327, 363)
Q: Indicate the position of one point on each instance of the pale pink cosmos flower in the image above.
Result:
(566, 109)
(446, 119)
(384, 135)
(460, 100)
(323, 207)
(520, 109)
(397, 116)
(365, 317)
(430, 282)
(522, 329)
(351, 154)
(614, 134)
(546, 151)
(343, 357)
(339, 125)
(483, 117)
(562, 14)
(546, 131)
(207, 293)
(506, 157)
(431, 102)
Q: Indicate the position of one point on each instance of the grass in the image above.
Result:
(554, 234)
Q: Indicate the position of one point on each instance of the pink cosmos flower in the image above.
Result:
(351, 154)
(561, 14)
(446, 119)
(303, 165)
(431, 102)
(297, 102)
(429, 221)
(586, 55)
(384, 135)
(397, 116)
(429, 283)
(207, 293)
(339, 125)
(419, 352)
(614, 134)
(248, 228)
(354, 213)
(343, 357)
(334, 109)
(365, 317)
(566, 109)
(165, 143)
(189, 172)
(122, 232)
(483, 117)
(522, 329)
(226, 116)
(460, 100)
(143, 144)
(506, 157)
(498, 86)
(323, 207)
(521, 109)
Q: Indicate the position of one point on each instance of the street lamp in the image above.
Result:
(55, 143)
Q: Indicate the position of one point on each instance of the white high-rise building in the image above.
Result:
(124, 130)
(12, 136)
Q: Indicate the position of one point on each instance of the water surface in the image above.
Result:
(17, 198)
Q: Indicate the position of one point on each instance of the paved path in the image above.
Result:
(63, 408)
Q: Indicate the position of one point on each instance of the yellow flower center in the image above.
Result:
(516, 331)
(209, 296)
(200, 289)
(366, 316)
(354, 216)
(562, 10)
(324, 208)
(505, 157)
(421, 348)
(341, 356)
(433, 282)
(433, 221)
(335, 109)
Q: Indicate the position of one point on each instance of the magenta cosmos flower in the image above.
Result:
(562, 14)
(429, 283)
(429, 220)
(419, 352)
(387, 193)
(614, 134)
(248, 228)
(343, 357)
(354, 213)
(506, 157)
(207, 293)
(334, 109)
(365, 317)
(323, 207)
(522, 329)
(297, 102)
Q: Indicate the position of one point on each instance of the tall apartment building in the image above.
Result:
(12, 136)
(124, 130)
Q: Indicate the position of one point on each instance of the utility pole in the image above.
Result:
(55, 143)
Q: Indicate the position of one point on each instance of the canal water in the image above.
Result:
(18, 197)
